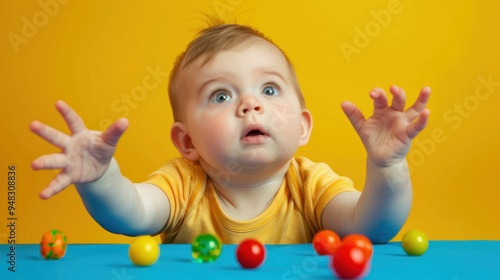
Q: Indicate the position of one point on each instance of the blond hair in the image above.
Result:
(211, 41)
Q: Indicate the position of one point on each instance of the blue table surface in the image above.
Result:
(443, 260)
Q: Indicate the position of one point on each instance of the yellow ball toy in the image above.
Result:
(415, 243)
(144, 251)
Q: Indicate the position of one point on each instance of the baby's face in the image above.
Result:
(241, 109)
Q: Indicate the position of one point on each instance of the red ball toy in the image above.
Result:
(250, 253)
(350, 262)
(361, 242)
(326, 242)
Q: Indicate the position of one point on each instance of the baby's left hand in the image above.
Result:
(387, 135)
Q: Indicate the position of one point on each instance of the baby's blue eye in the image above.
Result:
(221, 97)
(270, 90)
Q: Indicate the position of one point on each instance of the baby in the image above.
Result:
(239, 118)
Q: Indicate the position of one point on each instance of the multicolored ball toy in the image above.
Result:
(53, 245)
(206, 248)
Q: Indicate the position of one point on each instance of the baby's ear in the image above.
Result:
(182, 141)
(306, 127)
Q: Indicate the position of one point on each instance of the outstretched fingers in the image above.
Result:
(72, 119)
(53, 161)
(415, 127)
(379, 97)
(420, 104)
(398, 98)
(115, 131)
(353, 114)
(49, 134)
(59, 183)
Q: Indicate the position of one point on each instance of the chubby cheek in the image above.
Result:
(285, 120)
(213, 134)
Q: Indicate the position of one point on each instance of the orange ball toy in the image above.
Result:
(53, 245)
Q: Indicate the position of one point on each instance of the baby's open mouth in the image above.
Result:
(254, 133)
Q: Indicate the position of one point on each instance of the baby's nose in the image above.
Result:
(249, 104)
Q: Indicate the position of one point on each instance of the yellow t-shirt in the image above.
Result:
(293, 216)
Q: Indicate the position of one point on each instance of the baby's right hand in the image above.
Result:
(85, 154)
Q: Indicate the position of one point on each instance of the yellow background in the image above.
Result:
(94, 53)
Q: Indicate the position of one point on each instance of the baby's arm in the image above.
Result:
(383, 207)
(86, 160)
